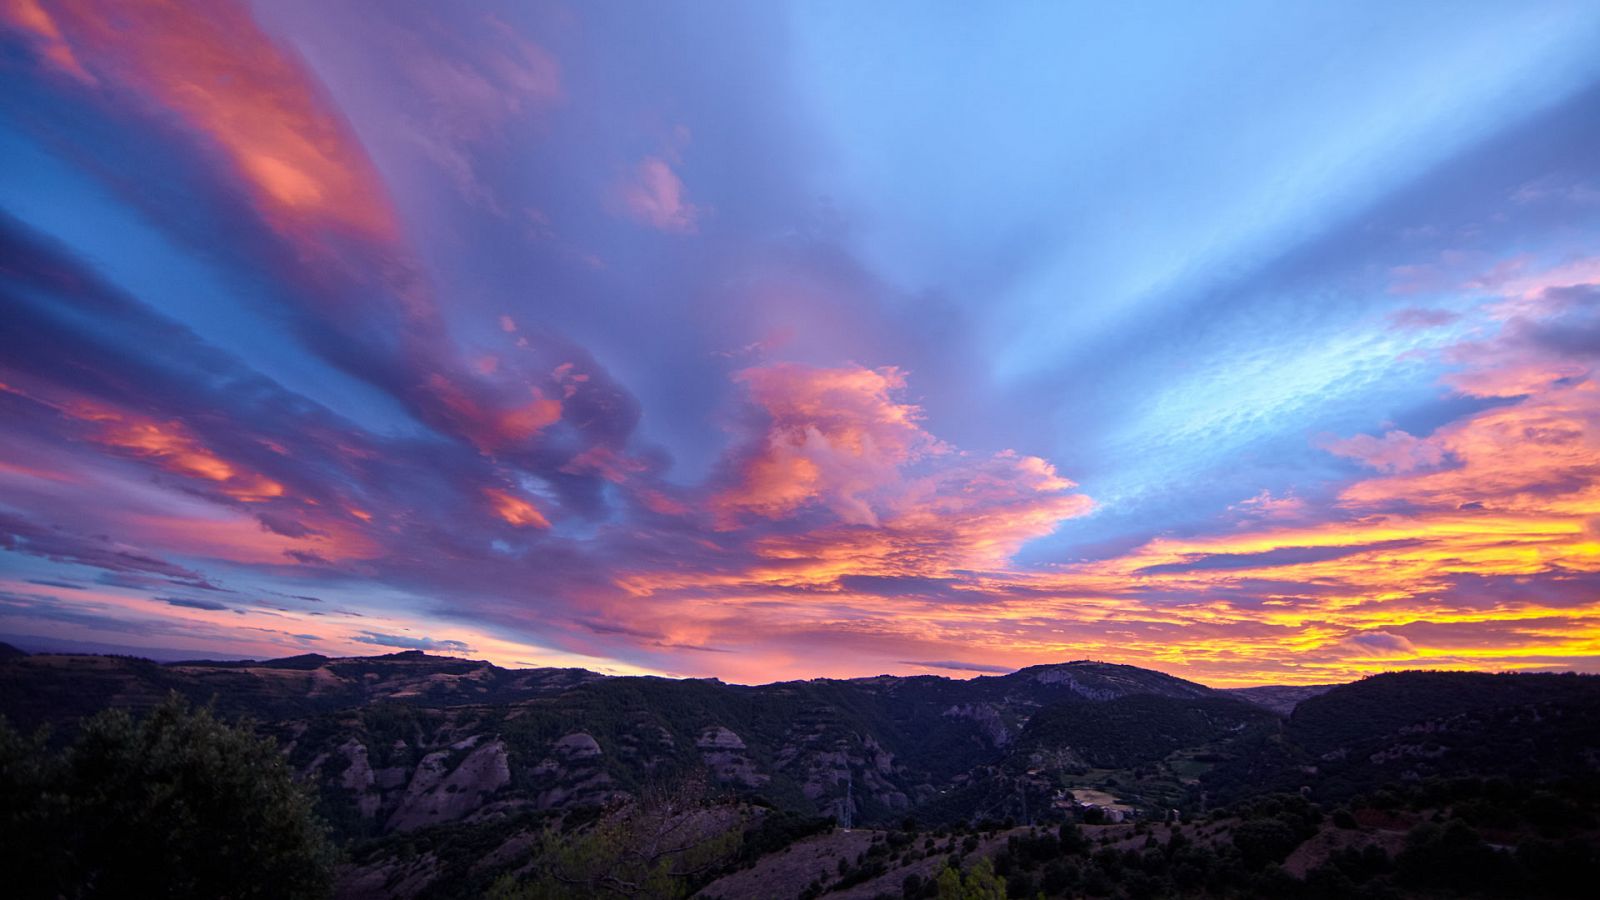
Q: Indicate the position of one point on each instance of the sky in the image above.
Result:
(1250, 343)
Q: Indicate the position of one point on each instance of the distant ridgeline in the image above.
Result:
(450, 752)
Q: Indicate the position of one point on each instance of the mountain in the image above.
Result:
(1280, 698)
(406, 740)
(465, 758)
(1410, 726)
(59, 688)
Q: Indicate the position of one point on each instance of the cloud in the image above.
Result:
(830, 437)
(463, 98)
(1554, 189)
(1421, 319)
(839, 441)
(32, 19)
(170, 445)
(410, 643)
(1549, 335)
(24, 536)
(1268, 506)
(515, 510)
(284, 526)
(962, 666)
(436, 455)
(652, 194)
(898, 585)
(1277, 556)
(258, 107)
(323, 237)
(1379, 644)
(189, 603)
(1395, 451)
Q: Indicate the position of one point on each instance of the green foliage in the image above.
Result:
(660, 847)
(977, 883)
(176, 804)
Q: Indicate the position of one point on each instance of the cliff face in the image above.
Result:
(449, 771)
(406, 741)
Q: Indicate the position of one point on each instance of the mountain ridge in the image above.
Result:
(1039, 670)
(410, 747)
(929, 742)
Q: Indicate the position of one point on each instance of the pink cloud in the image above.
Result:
(1546, 335)
(1395, 451)
(1513, 280)
(653, 194)
(30, 18)
(494, 423)
(832, 437)
(1268, 506)
(471, 93)
(836, 452)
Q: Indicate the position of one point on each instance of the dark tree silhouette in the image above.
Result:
(176, 804)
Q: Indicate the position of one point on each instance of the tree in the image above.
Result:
(31, 820)
(655, 847)
(978, 883)
(176, 804)
(1071, 838)
(1263, 841)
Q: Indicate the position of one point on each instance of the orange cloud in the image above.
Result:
(872, 513)
(609, 464)
(493, 427)
(834, 436)
(515, 510)
(173, 447)
(901, 500)
(210, 65)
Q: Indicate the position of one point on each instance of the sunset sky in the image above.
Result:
(768, 341)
